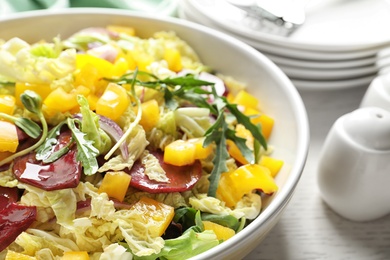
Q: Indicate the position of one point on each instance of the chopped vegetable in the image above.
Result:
(179, 153)
(223, 233)
(150, 114)
(8, 137)
(155, 215)
(273, 164)
(181, 178)
(247, 178)
(115, 184)
(113, 102)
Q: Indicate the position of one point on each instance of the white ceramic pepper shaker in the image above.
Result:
(354, 165)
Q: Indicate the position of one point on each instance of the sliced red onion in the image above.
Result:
(113, 130)
(106, 52)
(218, 83)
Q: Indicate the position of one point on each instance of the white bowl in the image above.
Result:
(278, 97)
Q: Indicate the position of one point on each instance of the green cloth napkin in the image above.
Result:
(164, 7)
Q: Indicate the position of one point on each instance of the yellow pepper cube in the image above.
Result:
(7, 104)
(150, 114)
(245, 99)
(273, 164)
(120, 67)
(179, 153)
(142, 60)
(103, 66)
(115, 184)
(114, 102)
(200, 151)
(60, 100)
(154, 215)
(9, 140)
(87, 76)
(42, 90)
(267, 124)
(173, 58)
(222, 232)
(75, 255)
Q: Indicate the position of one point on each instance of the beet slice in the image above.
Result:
(7, 195)
(63, 173)
(181, 178)
(14, 219)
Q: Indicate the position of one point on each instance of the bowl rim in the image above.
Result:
(273, 210)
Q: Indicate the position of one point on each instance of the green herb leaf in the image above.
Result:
(217, 134)
(45, 151)
(86, 152)
(28, 126)
(241, 144)
(31, 101)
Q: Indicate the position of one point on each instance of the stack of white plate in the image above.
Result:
(335, 48)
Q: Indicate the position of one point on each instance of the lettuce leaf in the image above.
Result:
(186, 246)
(20, 61)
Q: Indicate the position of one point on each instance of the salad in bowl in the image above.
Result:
(115, 146)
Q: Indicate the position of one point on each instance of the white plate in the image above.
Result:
(321, 64)
(190, 13)
(332, 84)
(331, 25)
(327, 74)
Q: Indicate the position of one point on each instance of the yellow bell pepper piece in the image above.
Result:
(87, 76)
(142, 60)
(243, 98)
(120, 67)
(75, 255)
(154, 215)
(60, 100)
(115, 184)
(200, 151)
(235, 184)
(12, 255)
(173, 58)
(179, 153)
(113, 102)
(150, 114)
(103, 66)
(266, 122)
(233, 149)
(9, 140)
(222, 232)
(42, 90)
(7, 104)
(273, 164)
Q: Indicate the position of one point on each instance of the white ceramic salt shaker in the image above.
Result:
(354, 165)
(378, 93)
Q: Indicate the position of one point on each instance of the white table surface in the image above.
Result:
(308, 228)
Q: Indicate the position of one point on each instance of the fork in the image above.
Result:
(281, 17)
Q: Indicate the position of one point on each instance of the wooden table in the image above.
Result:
(308, 228)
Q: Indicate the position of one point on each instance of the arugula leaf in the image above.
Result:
(217, 134)
(86, 152)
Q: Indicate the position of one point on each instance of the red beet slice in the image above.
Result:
(14, 219)
(63, 173)
(181, 178)
(7, 195)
